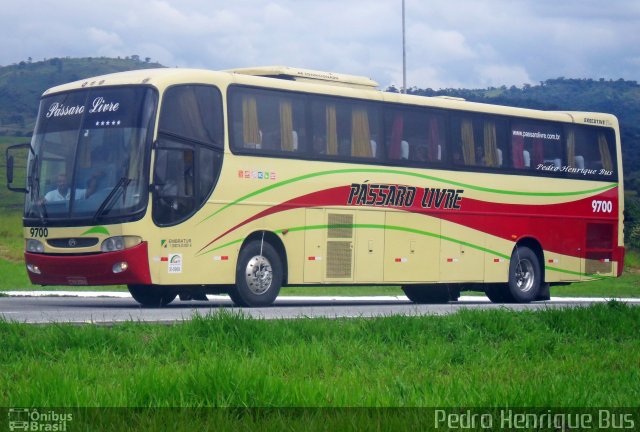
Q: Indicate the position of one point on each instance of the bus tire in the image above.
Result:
(525, 276)
(427, 294)
(152, 295)
(258, 275)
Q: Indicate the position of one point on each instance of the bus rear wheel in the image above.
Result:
(152, 295)
(427, 294)
(525, 279)
(259, 275)
(525, 275)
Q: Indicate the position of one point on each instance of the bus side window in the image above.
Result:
(271, 121)
(589, 148)
(186, 166)
(467, 148)
(540, 145)
(174, 184)
(397, 146)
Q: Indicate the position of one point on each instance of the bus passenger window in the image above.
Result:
(589, 148)
(537, 146)
(478, 141)
(415, 136)
(269, 121)
(251, 133)
(466, 146)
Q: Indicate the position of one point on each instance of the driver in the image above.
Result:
(62, 192)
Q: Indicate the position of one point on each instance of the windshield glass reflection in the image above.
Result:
(85, 142)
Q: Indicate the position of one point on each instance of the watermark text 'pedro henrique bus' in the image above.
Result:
(509, 419)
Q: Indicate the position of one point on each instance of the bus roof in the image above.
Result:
(321, 82)
(319, 77)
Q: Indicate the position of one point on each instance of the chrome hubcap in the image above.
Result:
(259, 274)
(524, 275)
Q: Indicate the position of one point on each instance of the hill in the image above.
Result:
(21, 85)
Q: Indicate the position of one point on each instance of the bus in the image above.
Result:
(181, 182)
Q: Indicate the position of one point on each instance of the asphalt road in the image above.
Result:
(109, 308)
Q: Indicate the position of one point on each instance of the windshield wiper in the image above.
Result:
(42, 211)
(108, 202)
(33, 180)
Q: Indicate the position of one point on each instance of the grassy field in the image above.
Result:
(583, 357)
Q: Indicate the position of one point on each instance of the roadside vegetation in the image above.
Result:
(581, 357)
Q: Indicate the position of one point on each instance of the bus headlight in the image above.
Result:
(34, 268)
(120, 267)
(119, 243)
(35, 246)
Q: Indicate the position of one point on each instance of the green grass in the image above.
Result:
(14, 276)
(10, 202)
(632, 259)
(628, 285)
(11, 237)
(582, 357)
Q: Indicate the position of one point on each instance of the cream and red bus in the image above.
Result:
(189, 182)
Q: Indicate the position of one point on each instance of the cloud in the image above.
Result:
(466, 43)
(494, 75)
(101, 37)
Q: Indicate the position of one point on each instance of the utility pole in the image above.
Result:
(404, 53)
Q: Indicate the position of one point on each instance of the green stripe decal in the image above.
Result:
(408, 174)
(410, 230)
(96, 230)
(372, 226)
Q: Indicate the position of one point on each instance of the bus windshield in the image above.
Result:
(90, 156)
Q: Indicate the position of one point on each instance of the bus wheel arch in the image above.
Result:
(278, 245)
(260, 270)
(536, 247)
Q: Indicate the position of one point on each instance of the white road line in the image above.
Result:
(124, 294)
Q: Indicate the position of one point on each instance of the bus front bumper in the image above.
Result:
(125, 267)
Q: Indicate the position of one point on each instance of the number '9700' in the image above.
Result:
(39, 232)
(599, 206)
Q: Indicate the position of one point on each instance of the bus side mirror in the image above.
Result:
(9, 169)
(11, 153)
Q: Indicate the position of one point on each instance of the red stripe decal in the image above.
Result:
(560, 228)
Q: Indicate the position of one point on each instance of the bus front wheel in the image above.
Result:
(152, 295)
(259, 275)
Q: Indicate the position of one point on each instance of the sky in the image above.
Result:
(449, 43)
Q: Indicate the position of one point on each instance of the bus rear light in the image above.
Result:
(120, 267)
(34, 269)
